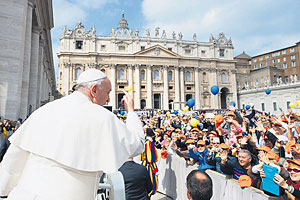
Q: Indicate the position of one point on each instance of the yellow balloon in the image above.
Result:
(168, 113)
(194, 122)
(298, 103)
(128, 89)
(292, 105)
(186, 108)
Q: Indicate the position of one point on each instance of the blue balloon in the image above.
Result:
(191, 103)
(268, 91)
(214, 89)
(232, 103)
(122, 112)
(247, 107)
(175, 112)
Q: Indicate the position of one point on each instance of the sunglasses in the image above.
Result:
(293, 170)
(201, 146)
(216, 143)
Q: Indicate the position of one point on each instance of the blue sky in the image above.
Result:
(255, 26)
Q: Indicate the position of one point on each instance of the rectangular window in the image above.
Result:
(170, 87)
(142, 48)
(274, 61)
(283, 52)
(288, 105)
(187, 51)
(245, 77)
(254, 60)
(250, 62)
(274, 106)
(293, 57)
(260, 65)
(188, 88)
(103, 47)
(78, 45)
(170, 49)
(261, 59)
(267, 57)
(121, 86)
(278, 60)
(255, 66)
(121, 48)
(221, 52)
(292, 50)
(293, 64)
(203, 52)
(262, 106)
(143, 87)
(284, 59)
(286, 79)
(284, 65)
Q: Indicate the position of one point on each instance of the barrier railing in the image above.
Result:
(172, 178)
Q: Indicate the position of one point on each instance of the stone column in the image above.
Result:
(113, 86)
(182, 99)
(197, 89)
(213, 81)
(166, 89)
(137, 88)
(34, 64)
(40, 66)
(233, 82)
(149, 87)
(177, 89)
(130, 78)
(26, 63)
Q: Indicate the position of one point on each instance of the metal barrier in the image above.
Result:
(114, 187)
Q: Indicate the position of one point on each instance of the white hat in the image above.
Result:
(210, 115)
(90, 75)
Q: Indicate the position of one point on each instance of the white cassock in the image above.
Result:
(62, 149)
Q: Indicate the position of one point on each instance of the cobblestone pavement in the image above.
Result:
(159, 196)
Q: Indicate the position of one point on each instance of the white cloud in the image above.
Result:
(254, 25)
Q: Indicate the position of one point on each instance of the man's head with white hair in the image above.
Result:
(95, 85)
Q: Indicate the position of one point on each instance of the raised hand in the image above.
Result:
(128, 102)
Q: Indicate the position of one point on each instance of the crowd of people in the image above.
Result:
(238, 143)
(7, 128)
(235, 142)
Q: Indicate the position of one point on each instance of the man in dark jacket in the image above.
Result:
(137, 180)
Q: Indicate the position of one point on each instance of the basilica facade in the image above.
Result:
(163, 72)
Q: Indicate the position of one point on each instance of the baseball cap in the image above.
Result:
(223, 146)
(245, 181)
(201, 142)
(264, 148)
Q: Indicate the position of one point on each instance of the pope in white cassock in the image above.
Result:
(63, 148)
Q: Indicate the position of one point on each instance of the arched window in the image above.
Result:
(121, 74)
(223, 78)
(170, 76)
(77, 72)
(188, 76)
(143, 75)
(156, 75)
(204, 77)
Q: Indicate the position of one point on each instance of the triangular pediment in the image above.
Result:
(157, 51)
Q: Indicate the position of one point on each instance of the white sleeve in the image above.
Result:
(11, 168)
(134, 124)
